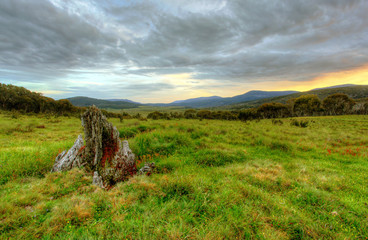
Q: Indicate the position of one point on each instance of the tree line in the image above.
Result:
(14, 98)
(306, 105)
(25, 101)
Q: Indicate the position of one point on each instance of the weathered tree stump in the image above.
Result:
(103, 154)
(69, 159)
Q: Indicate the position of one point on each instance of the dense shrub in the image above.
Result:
(307, 105)
(121, 116)
(176, 115)
(190, 114)
(338, 104)
(273, 110)
(360, 107)
(225, 115)
(155, 115)
(248, 114)
(204, 114)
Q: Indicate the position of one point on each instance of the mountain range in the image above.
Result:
(249, 99)
(216, 101)
(201, 102)
(353, 91)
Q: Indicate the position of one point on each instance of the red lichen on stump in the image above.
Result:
(110, 149)
(112, 160)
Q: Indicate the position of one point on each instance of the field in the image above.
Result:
(262, 179)
(145, 110)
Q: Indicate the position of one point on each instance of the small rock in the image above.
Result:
(147, 169)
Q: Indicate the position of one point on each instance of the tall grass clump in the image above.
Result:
(130, 132)
(299, 123)
(160, 143)
(217, 157)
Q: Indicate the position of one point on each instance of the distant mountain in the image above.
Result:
(336, 86)
(216, 101)
(196, 102)
(86, 101)
(121, 100)
(256, 94)
(355, 92)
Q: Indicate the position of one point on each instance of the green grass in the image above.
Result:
(214, 180)
(145, 110)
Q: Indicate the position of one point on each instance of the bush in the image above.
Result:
(338, 104)
(190, 114)
(204, 114)
(248, 114)
(301, 123)
(158, 115)
(307, 105)
(273, 110)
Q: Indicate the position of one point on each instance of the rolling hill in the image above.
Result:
(355, 92)
(116, 104)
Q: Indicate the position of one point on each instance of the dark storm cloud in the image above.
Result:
(252, 40)
(36, 35)
(238, 40)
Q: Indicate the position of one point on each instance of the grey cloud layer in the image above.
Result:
(238, 40)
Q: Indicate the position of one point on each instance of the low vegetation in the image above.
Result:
(286, 178)
(305, 105)
(21, 100)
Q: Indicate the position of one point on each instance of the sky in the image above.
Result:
(166, 50)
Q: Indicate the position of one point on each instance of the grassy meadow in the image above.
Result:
(145, 110)
(214, 179)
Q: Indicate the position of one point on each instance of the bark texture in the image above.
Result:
(69, 159)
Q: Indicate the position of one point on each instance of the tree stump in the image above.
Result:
(103, 154)
(69, 159)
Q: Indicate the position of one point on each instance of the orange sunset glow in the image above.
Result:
(357, 76)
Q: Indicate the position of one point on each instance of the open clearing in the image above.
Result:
(214, 179)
